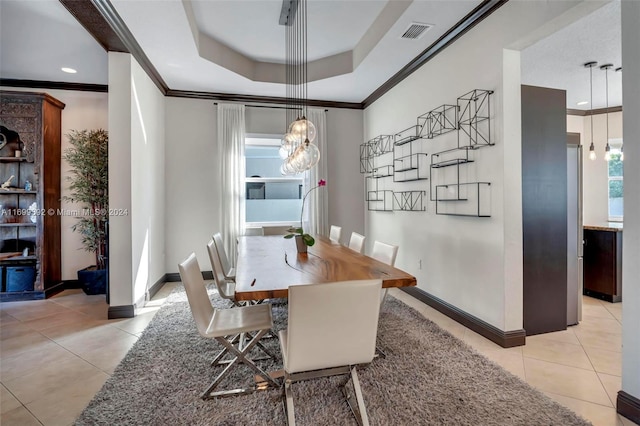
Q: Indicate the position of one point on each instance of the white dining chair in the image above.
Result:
(335, 233)
(227, 269)
(225, 326)
(356, 243)
(226, 287)
(385, 253)
(331, 328)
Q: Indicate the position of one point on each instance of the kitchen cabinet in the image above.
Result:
(603, 262)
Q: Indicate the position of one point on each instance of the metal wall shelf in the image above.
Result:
(471, 118)
(381, 144)
(382, 172)
(410, 201)
(407, 135)
(440, 120)
(373, 148)
(380, 201)
(476, 194)
(452, 162)
(410, 167)
(474, 122)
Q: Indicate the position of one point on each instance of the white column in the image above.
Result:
(631, 233)
(120, 265)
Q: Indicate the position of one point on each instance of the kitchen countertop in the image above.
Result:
(607, 226)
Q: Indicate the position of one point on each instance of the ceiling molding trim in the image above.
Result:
(249, 99)
(54, 85)
(588, 112)
(115, 22)
(92, 20)
(477, 15)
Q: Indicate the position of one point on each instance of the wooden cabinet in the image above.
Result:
(603, 264)
(30, 211)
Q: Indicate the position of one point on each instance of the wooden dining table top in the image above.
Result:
(268, 265)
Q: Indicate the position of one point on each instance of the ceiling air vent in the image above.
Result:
(415, 30)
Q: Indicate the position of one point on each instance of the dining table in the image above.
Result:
(268, 265)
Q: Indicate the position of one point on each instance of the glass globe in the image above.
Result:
(311, 155)
(283, 152)
(303, 129)
(288, 140)
(291, 166)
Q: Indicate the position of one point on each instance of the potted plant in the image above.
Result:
(89, 184)
(303, 240)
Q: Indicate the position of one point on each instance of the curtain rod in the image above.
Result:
(267, 106)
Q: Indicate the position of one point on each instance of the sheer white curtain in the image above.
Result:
(316, 208)
(231, 163)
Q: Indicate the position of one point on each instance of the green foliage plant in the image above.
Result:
(88, 158)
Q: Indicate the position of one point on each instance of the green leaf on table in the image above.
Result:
(308, 240)
(289, 236)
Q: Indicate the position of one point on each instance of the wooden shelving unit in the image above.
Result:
(36, 117)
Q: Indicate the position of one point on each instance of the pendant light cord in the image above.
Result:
(606, 76)
(591, 101)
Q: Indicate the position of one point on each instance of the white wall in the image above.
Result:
(631, 235)
(120, 267)
(83, 110)
(136, 181)
(346, 189)
(466, 260)
(147, 181)
(192, 198)
(595, 172)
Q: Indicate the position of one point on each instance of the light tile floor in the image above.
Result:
(56, 354)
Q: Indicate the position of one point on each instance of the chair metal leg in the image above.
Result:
(384, 297)
(288, 403)
(358, 409)
(240, 356)
(247, 336)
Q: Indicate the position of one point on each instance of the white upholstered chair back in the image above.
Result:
(384, 252)
(331, 325)
(201, 307)
(356, 242)
(226, 288)
(335, 233)
(222, 253)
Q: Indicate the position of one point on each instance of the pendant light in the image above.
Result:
(297, 149)
(607, 148)
(592, 148)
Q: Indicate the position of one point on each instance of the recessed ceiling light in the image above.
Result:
(69, 70)
(582, 103)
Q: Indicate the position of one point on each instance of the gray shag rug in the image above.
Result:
(428, 377)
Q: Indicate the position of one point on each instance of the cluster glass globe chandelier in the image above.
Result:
(297, 150)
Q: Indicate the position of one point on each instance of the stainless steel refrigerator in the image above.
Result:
(574, 229)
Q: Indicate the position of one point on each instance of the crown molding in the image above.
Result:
(93, 21)
(231, 97)
(54, 85)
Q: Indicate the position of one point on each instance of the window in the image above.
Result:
(616, 184)
(270, 197)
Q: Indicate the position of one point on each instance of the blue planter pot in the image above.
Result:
(93, 281)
